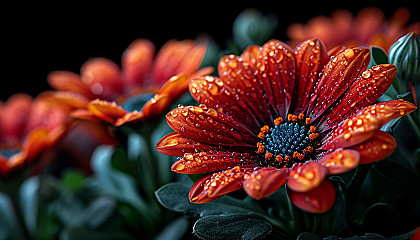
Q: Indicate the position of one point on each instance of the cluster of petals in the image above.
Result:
(336, 93)
(27, 128)
(368, 27)
(102, 87)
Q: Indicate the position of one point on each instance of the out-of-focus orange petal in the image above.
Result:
(156, 106)
(130, 117)
(265, 181)
(107, 111)
(137, 62)
(368, 21)
(176, 85)
(306, 176)
(36, 141)
(378, 147)
(68, 101)
(103, 77)
(15, 161)
(340, 161)
(211, 161)
(317, 200)
(14, 115)
(69, 81)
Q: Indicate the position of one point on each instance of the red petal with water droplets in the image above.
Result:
(386, 111)
(306, 176)
(317, 200)
(367, 88)
(378, 147)
(276, 66)
(311, 57)
(209, 126)
(175, 144)
(211, 187)
(365, 123)
(211, 161)
(351, 132)
(265, 181)
(137, 62)
(337, 76)
(340, 161)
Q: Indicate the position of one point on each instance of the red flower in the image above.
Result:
(27, 128)
(102, 86)
(277, 116)
(369, 27)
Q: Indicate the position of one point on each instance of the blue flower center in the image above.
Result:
(287, 142)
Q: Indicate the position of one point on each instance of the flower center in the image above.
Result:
(287, 142)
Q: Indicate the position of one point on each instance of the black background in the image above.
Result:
(40, 38)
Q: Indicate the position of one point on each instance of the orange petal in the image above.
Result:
(107, 111)
(36, 141)
(174, 144)
(311, 57)
(265, 181)
(130, 117)
(304, 177)
(386, 111)
(69, 82)
(67, 101)
(351, 132)
(156, 105)
(340, 161)
(137, 62)
(317, 200)
(250, 56)
(213, 186)
(211, 161)
(103, 77)
(378, 147)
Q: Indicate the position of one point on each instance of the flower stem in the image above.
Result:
(14, 199)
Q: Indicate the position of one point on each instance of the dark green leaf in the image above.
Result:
(308, 236)
(232, 226)
(175, 230)
(83, 233)
(377, 56)
(73, 179)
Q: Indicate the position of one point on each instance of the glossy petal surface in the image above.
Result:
(277, 68)
(340, 161)
(209, 126)
(107, 111)
(378, 147)
(337, 76)
(265, 181)
(311, 57)
(211, 161)
(317, 200)
(366, 89)
(210, 187)
(304, 177)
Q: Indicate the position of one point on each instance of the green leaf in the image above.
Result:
(73, 179)
(83, 233)
(377, 56)
(99, 211)
(232, 226)
(308, 236)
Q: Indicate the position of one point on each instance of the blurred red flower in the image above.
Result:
(368, 27)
